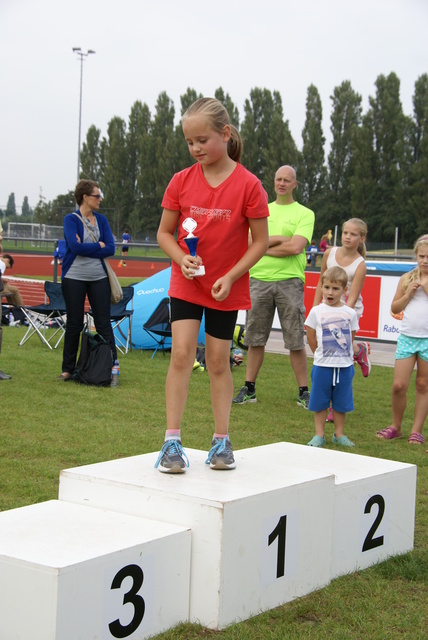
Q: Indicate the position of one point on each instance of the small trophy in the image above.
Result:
(190, 225)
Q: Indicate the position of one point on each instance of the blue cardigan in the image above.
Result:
(73, 248)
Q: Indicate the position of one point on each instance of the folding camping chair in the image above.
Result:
(50, 316)
(118, 314)
(159, 325)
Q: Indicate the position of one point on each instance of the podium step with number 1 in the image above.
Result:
(257, 530)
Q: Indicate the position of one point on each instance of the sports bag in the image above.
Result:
(95, 361)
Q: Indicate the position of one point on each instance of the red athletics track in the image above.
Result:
(37, 265)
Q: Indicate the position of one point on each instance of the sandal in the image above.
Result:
(389, 433)
(344, 441)
(416, 438)
(317, 441)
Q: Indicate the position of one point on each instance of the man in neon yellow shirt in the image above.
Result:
(277, 282)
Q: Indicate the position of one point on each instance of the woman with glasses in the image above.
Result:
(88, 240)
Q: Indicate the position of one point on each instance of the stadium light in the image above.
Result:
(78, 51)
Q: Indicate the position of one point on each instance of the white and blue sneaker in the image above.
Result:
(220, 455)
(172, 458)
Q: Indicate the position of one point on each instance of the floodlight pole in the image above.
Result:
(82, 56)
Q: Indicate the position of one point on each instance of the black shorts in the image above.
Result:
(218, 324)
(125, 248)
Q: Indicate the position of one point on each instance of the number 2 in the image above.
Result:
(370, 542)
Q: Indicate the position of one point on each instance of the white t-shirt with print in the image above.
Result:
(333, 326)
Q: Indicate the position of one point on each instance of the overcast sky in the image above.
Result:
(144, 47)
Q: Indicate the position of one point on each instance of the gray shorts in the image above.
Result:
(287, 297)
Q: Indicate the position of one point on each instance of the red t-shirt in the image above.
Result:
(221, 214)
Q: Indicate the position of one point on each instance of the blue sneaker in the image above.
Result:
(220, 455)
(172, 458)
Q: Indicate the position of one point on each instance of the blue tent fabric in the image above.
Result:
(147, 295)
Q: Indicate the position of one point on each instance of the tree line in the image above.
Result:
(376, 167)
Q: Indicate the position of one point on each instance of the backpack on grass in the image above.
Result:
(95, 361)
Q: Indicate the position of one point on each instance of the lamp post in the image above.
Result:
(82, 56)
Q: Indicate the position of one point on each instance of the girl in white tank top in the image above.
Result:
(350, 272)
(351, 257)
(411, 299)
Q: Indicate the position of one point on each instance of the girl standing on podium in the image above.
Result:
(224, 202)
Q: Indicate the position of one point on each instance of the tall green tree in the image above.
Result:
(25, 209)
(115, 184)
(258, 114)
(418, 190)
(346, 118)
(91, 157)
(389, 170)
(312, 173)
(362, 180)
(164, 141)
(280, 147)
(138, 130)
(11, 207)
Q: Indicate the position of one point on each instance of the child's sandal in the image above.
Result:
(317, 441)
(416, 438)
(389, 433)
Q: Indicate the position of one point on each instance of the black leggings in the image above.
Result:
(74, 292)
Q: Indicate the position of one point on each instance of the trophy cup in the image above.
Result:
(190, 225)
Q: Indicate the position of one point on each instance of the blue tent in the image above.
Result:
(147, 295)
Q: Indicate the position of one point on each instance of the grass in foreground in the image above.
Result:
(49, 425)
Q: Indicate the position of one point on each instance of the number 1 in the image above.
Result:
(280, 533)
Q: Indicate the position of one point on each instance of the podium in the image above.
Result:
(69, 571)
(287, 520)
(128, 552)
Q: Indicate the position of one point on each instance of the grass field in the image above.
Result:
(49, 425)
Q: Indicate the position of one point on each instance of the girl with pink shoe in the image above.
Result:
(412, 347)
(351, 257)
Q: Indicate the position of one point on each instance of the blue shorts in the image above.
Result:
(408, 347)
(331, 384)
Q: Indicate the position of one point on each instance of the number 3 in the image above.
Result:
(117, 630)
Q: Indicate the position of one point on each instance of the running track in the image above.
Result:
(33, 292)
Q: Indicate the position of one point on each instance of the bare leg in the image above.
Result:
(255, 357)
(217, 353)
(339, 423)
(184, 342)
(319, 417)
(402, 374)
(299, 364)
(421, 399)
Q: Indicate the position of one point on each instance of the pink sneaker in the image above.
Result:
(330, 415)
(362, 358)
